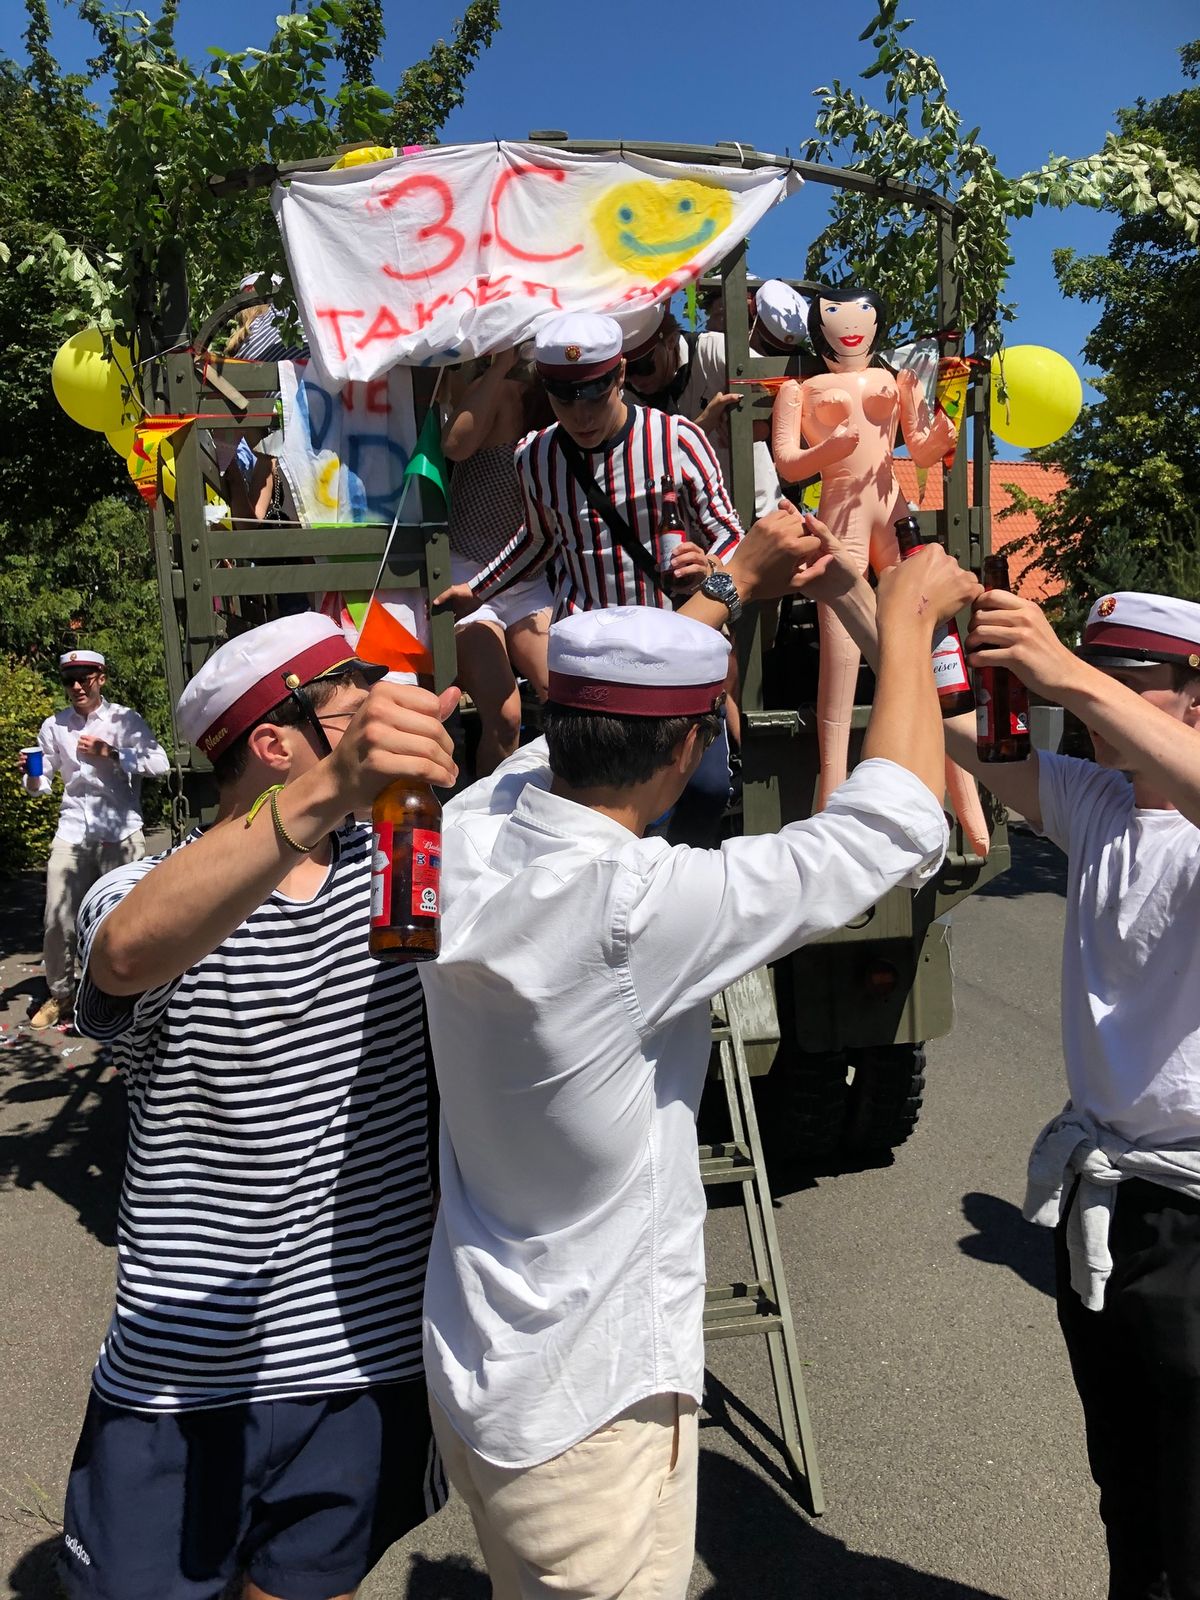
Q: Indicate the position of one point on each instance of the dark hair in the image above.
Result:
(596, 750)
(843, 293)
(1183, 676)
(231, 763)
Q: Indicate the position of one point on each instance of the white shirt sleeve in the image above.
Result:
(140, 754)
(698, 919)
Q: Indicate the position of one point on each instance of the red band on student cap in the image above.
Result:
(578, 371)
(1113, 635)
(270, 691)
(636, 699)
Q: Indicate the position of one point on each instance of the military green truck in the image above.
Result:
(841, 1052)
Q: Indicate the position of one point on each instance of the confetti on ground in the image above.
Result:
(73, 1051)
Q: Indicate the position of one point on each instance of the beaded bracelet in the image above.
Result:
(272, 794)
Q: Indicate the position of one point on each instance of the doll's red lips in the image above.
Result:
(852, 338)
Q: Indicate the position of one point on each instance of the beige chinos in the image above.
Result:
(70, 873)
(613, 1516)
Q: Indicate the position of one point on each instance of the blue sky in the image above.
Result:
(1039, 78)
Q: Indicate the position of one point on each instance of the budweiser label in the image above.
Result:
(426, 871)
(949, 663)
(1018, 719)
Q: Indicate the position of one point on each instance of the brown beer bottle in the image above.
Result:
(406, 869)
(949, 660)
(1002, 703)
(671, 531)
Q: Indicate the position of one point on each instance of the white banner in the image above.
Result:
(344, 452)
(457, 251)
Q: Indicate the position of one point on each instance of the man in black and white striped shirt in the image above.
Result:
(258, 1406)
(628, 449)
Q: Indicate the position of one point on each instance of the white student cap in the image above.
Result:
(252, 674)
(577, 346)
(637, 661)
(640, 329)
(1128, 629)
(782, 314)
(80, 658)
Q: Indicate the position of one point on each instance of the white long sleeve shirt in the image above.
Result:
(101, 801)
(569, 1018)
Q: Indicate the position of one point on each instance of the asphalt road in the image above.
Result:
(949, 1435)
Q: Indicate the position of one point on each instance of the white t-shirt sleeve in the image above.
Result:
(1068, 792)
(699, 919)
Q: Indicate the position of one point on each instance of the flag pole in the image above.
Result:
(409, 479)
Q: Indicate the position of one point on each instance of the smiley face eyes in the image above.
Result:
(625, 214)
(687, 205)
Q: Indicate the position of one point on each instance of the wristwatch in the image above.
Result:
(721, 587)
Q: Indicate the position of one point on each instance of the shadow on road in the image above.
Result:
(35, 1575)
(77, 1151)
(1004, 1239)
(754, 1541)
(1038, 867)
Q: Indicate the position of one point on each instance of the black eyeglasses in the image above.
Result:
(69, 680)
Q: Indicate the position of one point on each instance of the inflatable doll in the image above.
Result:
(842, 424)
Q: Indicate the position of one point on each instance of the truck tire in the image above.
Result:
(884, 1100)
(808, 1109)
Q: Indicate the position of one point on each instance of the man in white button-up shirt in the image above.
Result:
(569, 1016)
(102, 751)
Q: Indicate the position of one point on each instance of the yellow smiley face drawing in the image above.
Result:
(650, 228)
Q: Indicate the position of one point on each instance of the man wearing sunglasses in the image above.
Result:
(102, 751)
(625, 450)
(257, 1412)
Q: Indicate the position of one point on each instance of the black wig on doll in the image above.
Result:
(843, 293)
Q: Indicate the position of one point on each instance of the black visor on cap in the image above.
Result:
(1121, 655)
(594, 389)
(370, 671)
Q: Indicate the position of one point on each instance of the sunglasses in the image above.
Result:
(643, 367)
(573, 394)
(70, 679)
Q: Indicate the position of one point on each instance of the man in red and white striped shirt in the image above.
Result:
(629, 449)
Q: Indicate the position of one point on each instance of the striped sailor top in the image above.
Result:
(590, 570)
(276, 1209)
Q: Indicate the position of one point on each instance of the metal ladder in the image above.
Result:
(745, 1013)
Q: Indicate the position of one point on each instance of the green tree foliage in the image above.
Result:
(93, 589)
(49, 165)
(27, 824)
(171, 126)
(431, 89)
(917, 137)
(1130, 515)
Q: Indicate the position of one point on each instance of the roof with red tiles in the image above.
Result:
(1042, 482)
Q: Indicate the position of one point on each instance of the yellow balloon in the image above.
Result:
(86, 384)
(122, 438)
(1044, 396)
(140, 470)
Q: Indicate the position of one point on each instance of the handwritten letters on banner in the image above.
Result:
(453, 252)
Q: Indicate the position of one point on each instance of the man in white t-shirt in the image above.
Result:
(563, 1307)
(1118, 1172)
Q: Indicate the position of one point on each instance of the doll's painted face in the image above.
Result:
(850, 326)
